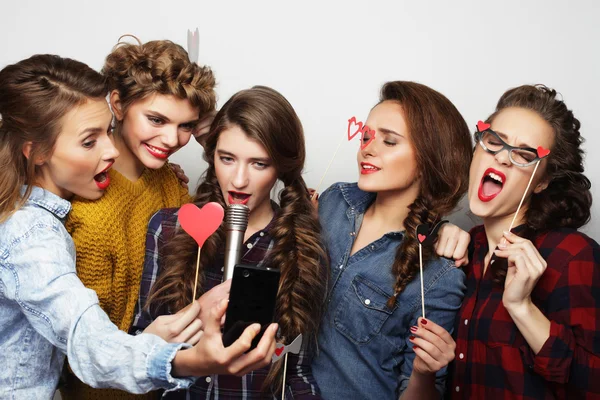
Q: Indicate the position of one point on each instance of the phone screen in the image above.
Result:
(251, 300)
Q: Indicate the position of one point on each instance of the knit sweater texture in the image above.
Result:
(109, 236)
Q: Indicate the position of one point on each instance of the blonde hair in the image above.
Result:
(139, 70)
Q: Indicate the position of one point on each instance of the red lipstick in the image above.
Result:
(102, 179)
(238, 197)
(367, 168)
(158, 152)
(490, 196)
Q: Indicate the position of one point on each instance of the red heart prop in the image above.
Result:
(421, 238)
(482, 126)
(279, 350)
(542, 152)
(200, 223)
(371, 133)
(351, 123)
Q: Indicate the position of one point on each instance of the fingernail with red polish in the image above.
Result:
(411, 337)
(423, 321)
(415, 347)
(413, 328)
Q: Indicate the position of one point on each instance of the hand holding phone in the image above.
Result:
(252, 299)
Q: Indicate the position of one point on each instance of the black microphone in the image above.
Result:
(236, 222)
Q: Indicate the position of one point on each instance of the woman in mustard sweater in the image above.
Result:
(158, 98)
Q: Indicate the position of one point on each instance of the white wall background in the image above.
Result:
(330, 59)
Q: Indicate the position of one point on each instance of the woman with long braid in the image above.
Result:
(373, 341)
(255, 140)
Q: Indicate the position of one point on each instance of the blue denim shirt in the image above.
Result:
(364, 351)
(47, 313)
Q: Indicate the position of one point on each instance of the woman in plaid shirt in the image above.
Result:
(255, 140)
(529, 326)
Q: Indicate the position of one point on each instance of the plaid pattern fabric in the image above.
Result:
(493, 360)
(299, 381)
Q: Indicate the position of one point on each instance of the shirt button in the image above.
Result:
(262, 234)
(341, 266)
(208, 379)
(249, 245)
(367, 301)
(461, 356)
(466, 322)
(352, 233)
(457, 389)
(222, 269)
(372, 247)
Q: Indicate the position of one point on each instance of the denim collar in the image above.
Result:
(359, 201)
(48, 200)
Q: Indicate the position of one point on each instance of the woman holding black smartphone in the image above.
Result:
(255, 140)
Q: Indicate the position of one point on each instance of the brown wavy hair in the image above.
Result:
(443, 150)
(267, 117)
(35, 94)
(567, 201)
(139, 70)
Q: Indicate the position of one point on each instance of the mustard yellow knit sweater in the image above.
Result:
(109, 236)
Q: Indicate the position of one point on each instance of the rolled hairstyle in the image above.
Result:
(443, 151)
(137, 71)
(267, 117)
(34, 96)
(567, 201)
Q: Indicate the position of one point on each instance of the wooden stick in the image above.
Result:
(197, 267)
(284, 373)
(421, 267)
(327, 169)
(523, 198)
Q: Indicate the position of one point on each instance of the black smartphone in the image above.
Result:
(252, 300)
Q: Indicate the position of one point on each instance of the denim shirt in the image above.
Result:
(364, 351)
(47, 313)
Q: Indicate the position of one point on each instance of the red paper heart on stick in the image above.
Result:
(542, 152)
(371, 136)
(352, 125)
(200, 223)
(421, 238)
(482, 126)
(279, 349)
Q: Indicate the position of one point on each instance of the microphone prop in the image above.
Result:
(236, 222)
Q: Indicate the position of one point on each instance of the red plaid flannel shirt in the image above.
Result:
(493, 360)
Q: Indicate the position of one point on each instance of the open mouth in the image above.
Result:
(491, 184)
(157, 152)
(366, 168)
(238, 197)
(102, 179)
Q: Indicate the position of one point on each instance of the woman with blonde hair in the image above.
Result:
(158, 96)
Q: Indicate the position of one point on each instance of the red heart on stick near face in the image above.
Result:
(279, 350)
(351, 124)
(200, 223)
(371, 134)
(482, 126)
(421, 238)
(542, 152)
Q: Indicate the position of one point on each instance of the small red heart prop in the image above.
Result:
(351, 126)
(279, 350)
(482, 126)
(542, 152)
(421, 238)
(200, 223)
(371, 134)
